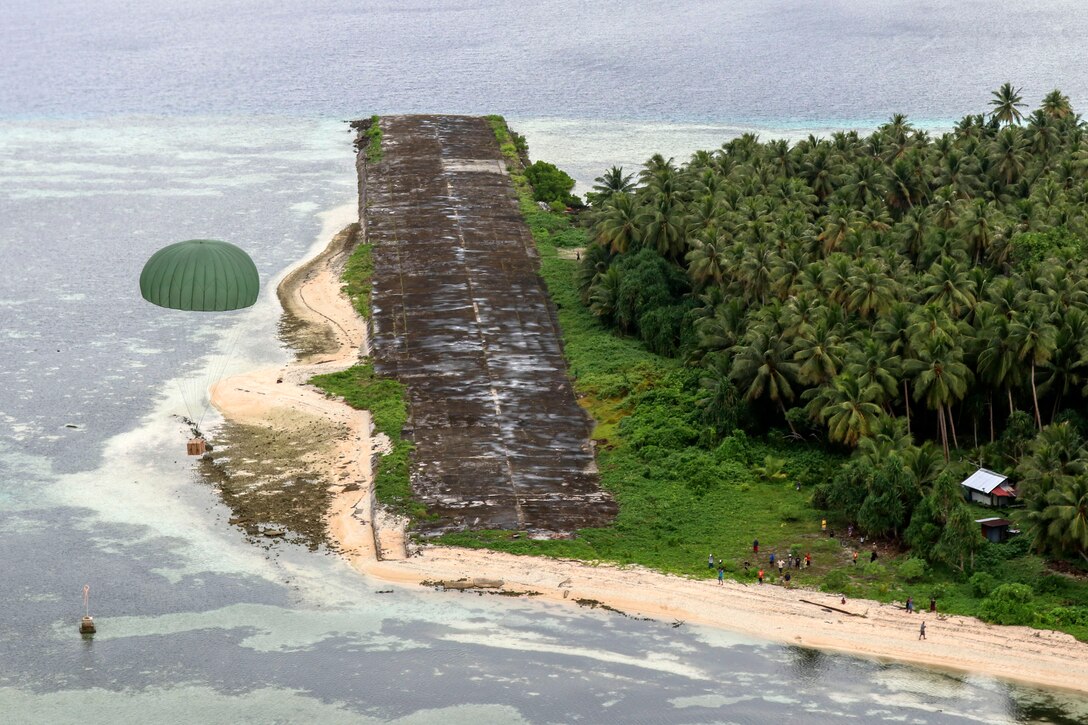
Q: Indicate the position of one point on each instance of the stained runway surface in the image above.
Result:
(462, 318)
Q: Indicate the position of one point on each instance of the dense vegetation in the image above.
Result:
(915, 300)
(687, 442)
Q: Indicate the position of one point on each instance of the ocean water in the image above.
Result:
(124, 127)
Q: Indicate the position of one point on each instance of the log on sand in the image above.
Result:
(833, 609)
(476, 583)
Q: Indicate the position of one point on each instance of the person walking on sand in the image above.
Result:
(922, 630)
(760, 576)
(721, 575)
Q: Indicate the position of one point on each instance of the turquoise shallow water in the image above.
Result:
(123, 128)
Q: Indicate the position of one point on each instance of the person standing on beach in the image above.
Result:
(721, 575)
(933, 604)
(922, 630)
(760, 576)
(910, 605)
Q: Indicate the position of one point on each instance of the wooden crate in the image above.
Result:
(195, 447)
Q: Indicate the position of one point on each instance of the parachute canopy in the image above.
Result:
(203, 275)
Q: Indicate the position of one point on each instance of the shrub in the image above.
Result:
(982, 584)
(835, 580)
(1067, 616)
(549, 182)
(912, 569)
(875, 569)
(1008, 604)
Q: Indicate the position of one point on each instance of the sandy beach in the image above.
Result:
(376, 546)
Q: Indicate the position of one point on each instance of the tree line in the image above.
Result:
(915, 299)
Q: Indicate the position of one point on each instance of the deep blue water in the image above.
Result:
(125, 126)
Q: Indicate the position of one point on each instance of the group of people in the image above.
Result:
(798, 562)
(790, 562)
(932, 604)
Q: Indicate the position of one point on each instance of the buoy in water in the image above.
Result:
(86, 624)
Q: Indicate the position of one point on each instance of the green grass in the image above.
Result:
(362, 388)
(357, 276)
(374, 146)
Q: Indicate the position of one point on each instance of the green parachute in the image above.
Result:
(201, 275)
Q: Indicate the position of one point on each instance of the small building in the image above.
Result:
(988, 488)
(995, 529)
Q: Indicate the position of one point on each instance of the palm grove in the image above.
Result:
(917, 300)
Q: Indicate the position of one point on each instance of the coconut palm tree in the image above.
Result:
(763, 369)
(996, 363)
(940, 379)
(819, 169)
(872, 290)
(757, 272)
(1062, 525)
(706, 263)
(1007, 103)
(1009, 154)
(611, 182)
(1067, 370)
(663, 228)
(874, 366)
(618, 226)
(724, 328)
(720, 399)
(948, 285)
(1056, 105)
(846, 407)
(1035, 339)
(819, 353)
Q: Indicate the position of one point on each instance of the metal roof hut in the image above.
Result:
(995, 529)
(988, 488)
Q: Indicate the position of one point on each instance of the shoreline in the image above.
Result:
(376, 545)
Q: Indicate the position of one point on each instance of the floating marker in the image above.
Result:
(86, 624)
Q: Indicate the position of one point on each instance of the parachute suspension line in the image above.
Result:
(184, 395)
(217, 367)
